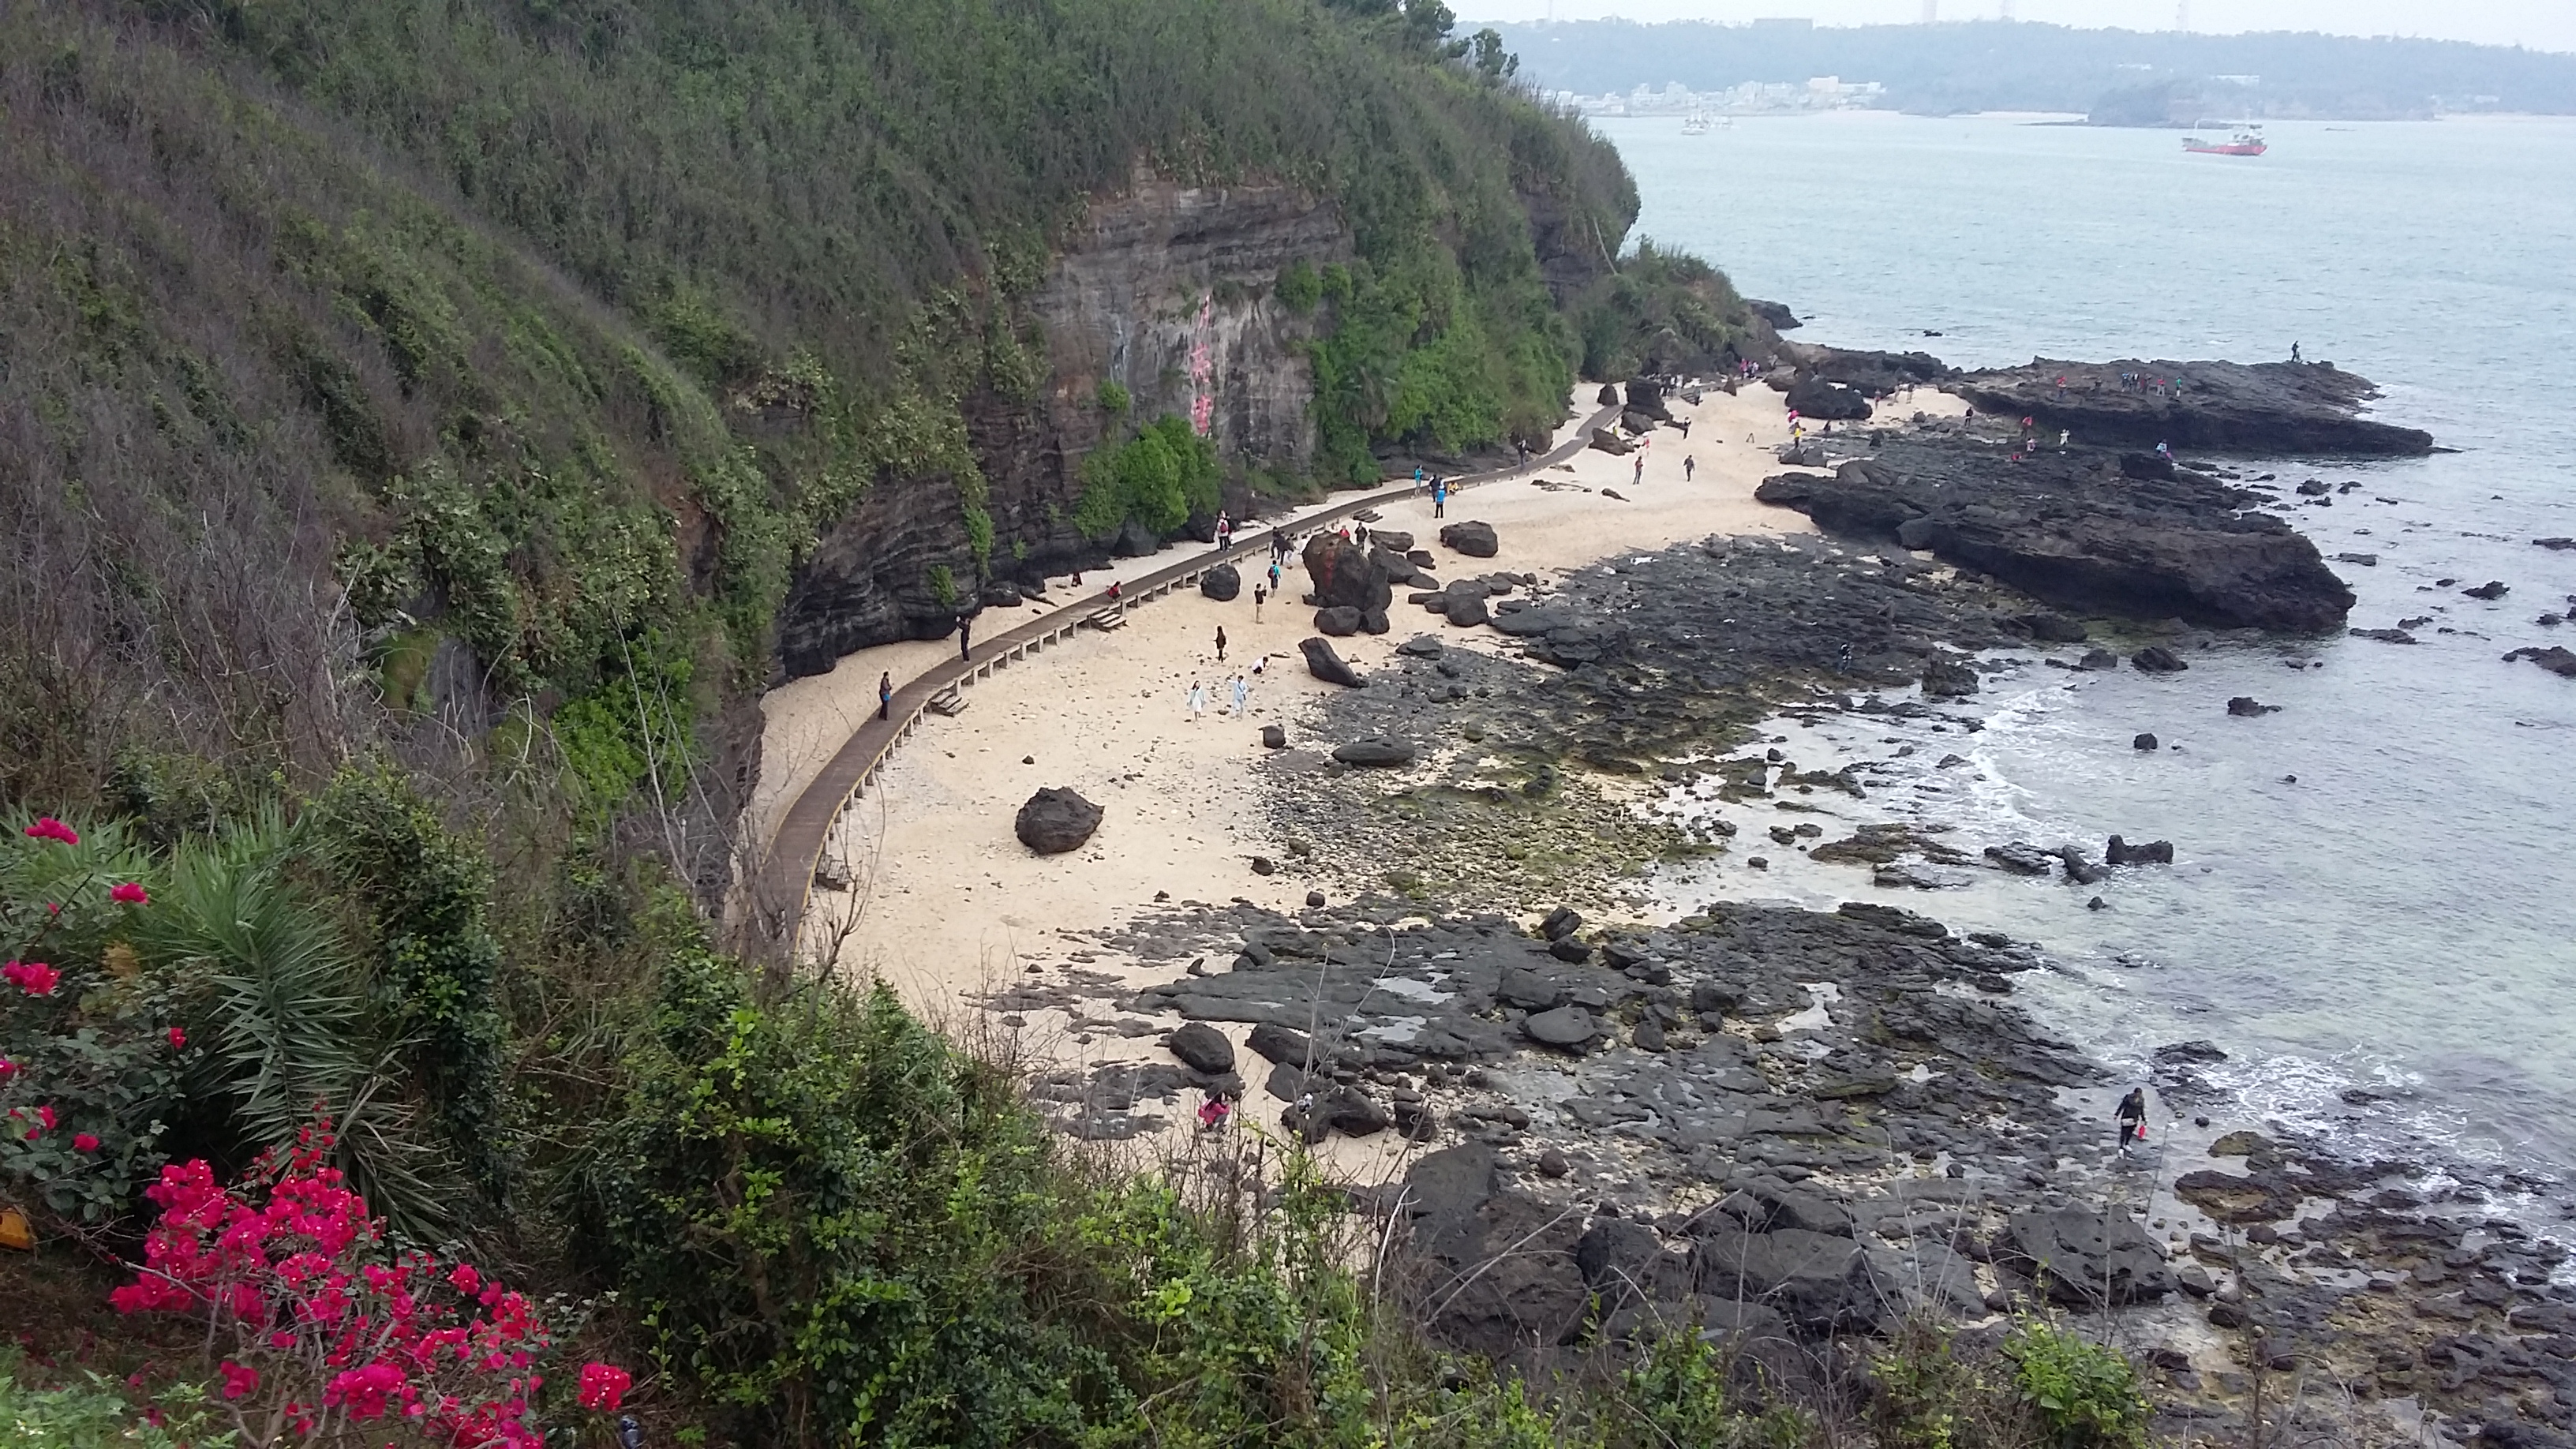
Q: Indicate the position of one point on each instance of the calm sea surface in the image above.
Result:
(2387, 947)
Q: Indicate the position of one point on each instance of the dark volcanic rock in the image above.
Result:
(1326, 665)
(1340, 621)
(2269, 407)
(2556, 659)
(1274, 737)
(1815, 397)
(2143, 742)
(1775, 313)
(1376, 753)
(2096, 1256)
(1474, 539)
(1948, 679)
(2246, 706)
(2152, 852)
(2067, 528)
(2098, 659)
(1055, 821)
(2491, 590)
(1221, 583)
(2049, 628)
(1564, 1026)
(1287, 1047)
(1344, 575)
(1203, 1048)
(2022, 858)
(1818, 1281)
(2156, 659)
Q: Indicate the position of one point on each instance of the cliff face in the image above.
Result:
(1150, 278)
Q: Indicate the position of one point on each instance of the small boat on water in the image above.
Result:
(2248, 141)
(1695, 124)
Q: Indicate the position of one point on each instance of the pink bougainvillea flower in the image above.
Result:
(84, 1142)
(603, 1386)
(178, 1038)
(8, 1069)
(130, 894)
(45, 1113)
(239, 1379)
(48, 828)
(32, 977)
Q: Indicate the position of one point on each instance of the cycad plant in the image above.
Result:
(288, 1022)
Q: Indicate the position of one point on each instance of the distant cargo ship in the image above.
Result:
(2246, 142)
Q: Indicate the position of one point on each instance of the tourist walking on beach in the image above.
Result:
(1418, 480)
(1242, 695)
(1220, 643)
(885, 695)
(1639, 476)
(1274, 576)
(1197, 701)
(965, 632)
(2133, 1117)
(1439, 497)
(1690, 465)
(1259, 593)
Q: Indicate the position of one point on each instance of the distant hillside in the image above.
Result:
(2120, 76)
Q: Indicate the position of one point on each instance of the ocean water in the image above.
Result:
(2387, 946)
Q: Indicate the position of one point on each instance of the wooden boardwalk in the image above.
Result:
(784, 874)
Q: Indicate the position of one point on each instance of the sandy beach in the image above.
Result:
(945, 903)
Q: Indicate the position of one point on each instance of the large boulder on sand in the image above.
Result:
(1055, 821)
(1340, 621)
(1221, 583)
(1345, 575)
(1203, 1048)
(1475, 540)
(1814, 397)
(1604, 440)
(1326, 665)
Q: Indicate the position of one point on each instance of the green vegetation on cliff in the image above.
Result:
(412, 417)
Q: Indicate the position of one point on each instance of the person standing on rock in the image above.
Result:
(2294, 354)
(1220, 643)
(1197, 701)
(885, 695)
(2133, 1117)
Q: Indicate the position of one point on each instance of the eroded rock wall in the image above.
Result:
(1147, 278)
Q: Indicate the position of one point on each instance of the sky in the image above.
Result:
(2541, 24)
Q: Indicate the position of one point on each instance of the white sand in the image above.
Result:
(946, 903)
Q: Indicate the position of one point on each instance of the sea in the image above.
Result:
(2372, 910)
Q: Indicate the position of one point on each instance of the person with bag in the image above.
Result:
(2133, 1117)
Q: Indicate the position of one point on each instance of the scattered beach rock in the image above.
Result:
(1221, 583)
(1274, 737)
(2157, 659)
(2491, 590)
(1340, 621)
(2385, 636)
(1474, 539)
(2289, 408)
(1564, 1026)
(2246, 706)
(1377, 753)
(1203, 1048)
(1948, 679)
(2022, 858)
(2143, 742)
(1055, 820)
(2098, 659)
(1328, 666)
(2153, 852)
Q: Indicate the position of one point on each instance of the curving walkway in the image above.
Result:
(784, 876)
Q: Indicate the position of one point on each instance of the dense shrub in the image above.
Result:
(1162, 478)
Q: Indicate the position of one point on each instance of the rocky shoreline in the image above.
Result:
(1797, 1127)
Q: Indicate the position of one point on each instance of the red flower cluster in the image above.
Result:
(32, 977)
(603, 1386)
(48, 828)
(128, 893)
(44, 1119)
(332, 1328)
